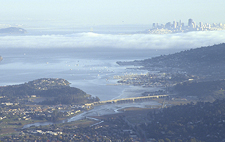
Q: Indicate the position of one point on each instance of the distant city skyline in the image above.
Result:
(111, 12)
(190, 23)
(177, 27)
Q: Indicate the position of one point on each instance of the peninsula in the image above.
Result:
(49, 90)
(13, 30)
(45, 99)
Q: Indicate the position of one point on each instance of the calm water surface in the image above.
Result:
(91, 70)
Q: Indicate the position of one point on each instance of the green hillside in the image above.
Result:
(57, 90)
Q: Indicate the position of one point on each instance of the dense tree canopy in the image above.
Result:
(214, 89)
(203, 121)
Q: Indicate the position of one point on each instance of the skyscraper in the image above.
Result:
(190, 21)
(153, 25)
(200, 24)
(168, 25)
(174, 24)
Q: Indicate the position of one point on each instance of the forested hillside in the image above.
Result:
(57, 90)
(204, 61)
(203, 121)
(203, 90)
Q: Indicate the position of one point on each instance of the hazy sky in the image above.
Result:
(116, 12)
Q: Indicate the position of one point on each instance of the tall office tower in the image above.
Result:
(194, 25)
(182, 24)
(209, 26)
(153, 25)
(174, 24)
(168, 25)
(190, 21)
(200, 24)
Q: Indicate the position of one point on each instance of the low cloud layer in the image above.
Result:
(129, 41)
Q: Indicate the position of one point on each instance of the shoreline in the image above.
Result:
(99, 110)
(119, 109)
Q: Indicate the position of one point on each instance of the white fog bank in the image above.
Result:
(124, 41)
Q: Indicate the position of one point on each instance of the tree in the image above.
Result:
(167, 140)
(193, 140)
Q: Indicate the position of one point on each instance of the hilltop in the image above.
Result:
(55, 91)
(13, 30)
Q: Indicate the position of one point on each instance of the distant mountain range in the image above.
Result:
(205, 61)
(13, 30)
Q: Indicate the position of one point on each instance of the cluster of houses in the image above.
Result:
(40, 132)
(38, 111)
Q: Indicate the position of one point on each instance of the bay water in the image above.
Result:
(88, 67)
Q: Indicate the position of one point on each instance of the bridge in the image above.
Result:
(127, 100)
